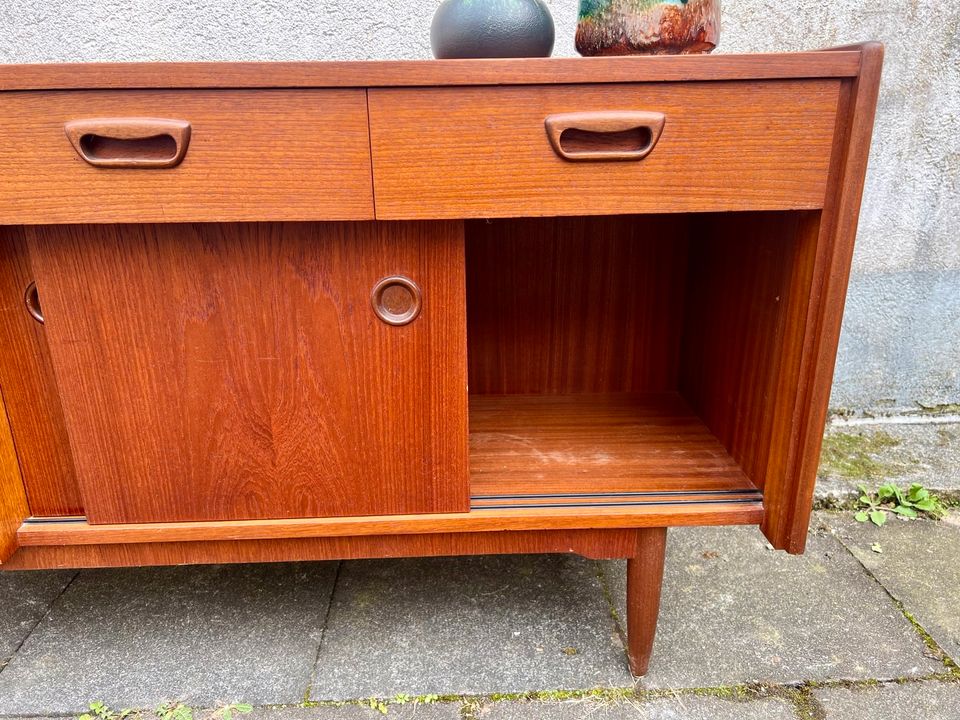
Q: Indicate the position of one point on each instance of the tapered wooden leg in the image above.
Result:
(644, 578)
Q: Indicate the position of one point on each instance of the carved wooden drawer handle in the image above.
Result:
(130, 142)
(396, 300)
(605, 135)
(31, 298)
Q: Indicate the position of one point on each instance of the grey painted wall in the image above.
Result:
(901, 339)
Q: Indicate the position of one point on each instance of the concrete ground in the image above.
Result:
(865, 625)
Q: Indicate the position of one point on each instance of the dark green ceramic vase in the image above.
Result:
(492, 29)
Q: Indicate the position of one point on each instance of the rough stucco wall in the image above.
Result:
(901, 337)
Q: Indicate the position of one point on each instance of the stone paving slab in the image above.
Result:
(468, 626)
(919, 565)
(409, 711)
(685, 707)
(25, 598)
(912, 701)
(872, 454)
(203, 635)
(735, 611)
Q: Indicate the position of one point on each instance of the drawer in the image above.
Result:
(249, 155)
(486, 152)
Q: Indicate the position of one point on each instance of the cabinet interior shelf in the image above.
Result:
(596, 450)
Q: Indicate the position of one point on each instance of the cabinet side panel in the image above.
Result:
(575, 305)
(748, 290)
(30, 390)
(788, 502)
(226, 372)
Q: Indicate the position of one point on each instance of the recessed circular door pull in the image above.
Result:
(396, 300)
(31, 298)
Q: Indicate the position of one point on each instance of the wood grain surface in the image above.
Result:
(80, 532)
(13, 499)
(844, 63)
(30, 390)
(644, 580)
(129, 142)
(597, 544)
(790, 501)
(264, 155)
(484, 152)
(575, 305)
(213, 372)
(594, 443)
(749, 275)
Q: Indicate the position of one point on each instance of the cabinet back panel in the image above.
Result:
(30, 390)
(575, 305)
(223, 372)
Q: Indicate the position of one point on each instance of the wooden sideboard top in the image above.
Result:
(842, 62)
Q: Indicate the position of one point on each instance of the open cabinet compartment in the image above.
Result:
(631, 360)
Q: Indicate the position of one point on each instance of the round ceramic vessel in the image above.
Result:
(648, 27)
(492, 29)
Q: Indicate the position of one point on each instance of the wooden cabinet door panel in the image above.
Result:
(30, 390)
(13, 500)
(214, 372)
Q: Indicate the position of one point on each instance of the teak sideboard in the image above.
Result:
(293, 311)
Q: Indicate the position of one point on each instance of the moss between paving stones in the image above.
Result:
(854, 456)
(928, 640)
(800, 696)
(941, 409)
(921, 409)
(608, 596)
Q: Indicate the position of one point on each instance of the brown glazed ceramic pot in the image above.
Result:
(648, 27)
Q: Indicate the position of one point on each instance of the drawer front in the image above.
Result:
(250, 155)
(241, 371)
(486, 152)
